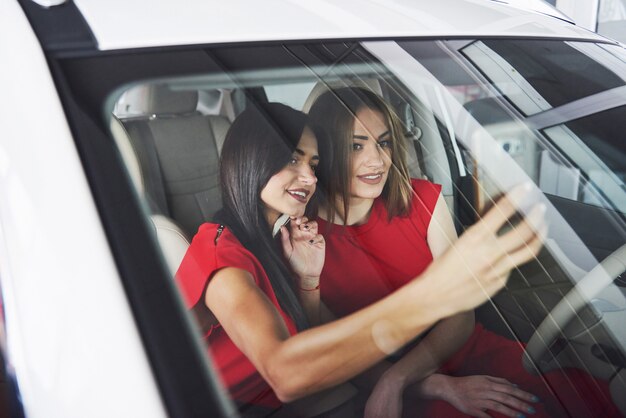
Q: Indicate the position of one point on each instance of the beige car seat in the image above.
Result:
(171, 153)
(171, 238)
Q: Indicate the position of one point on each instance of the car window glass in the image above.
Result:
(478, 117)
(541, 71)
(599, 150)
(519, 74)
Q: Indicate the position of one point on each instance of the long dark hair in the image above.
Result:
(335, 112)
(259, 144)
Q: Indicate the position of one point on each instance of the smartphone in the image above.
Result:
(283, 220)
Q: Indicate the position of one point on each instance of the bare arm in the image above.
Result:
(310, 301)
(316, 358)
(449, 334)
(324, 356)
(443, 340)
(446, 337)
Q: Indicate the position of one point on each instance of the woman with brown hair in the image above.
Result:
(392, 228)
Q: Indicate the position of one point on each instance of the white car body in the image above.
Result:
(52, 240)
(73, 344)
(237, 21)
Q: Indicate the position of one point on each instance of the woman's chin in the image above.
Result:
(298, 214)
(295, 213)
(369, 194)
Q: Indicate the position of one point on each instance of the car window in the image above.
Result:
(536, 76)
(478, 118)
(597, 137)
(521, 91)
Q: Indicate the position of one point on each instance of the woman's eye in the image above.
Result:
(293, 161)
(384, 143)
(356, 147)
(314, 167)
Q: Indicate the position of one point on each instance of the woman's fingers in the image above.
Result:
(285, 241)
(481, 260)
(309, 226)
(525, 230)
(507, 398)
(480, 414)
(305, 231)
(496, 256)
(504, 208)
(499, 407)
(522, 255)
(318, 241)
(510, 401)
(499, 380)
(477, 395)
(298, 220)
(518, 393)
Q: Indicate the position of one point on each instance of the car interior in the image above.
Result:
(169, 133)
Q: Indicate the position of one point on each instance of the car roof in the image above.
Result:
(540, 6)
(122, 24)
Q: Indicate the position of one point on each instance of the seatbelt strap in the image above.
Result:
(143, 141)
(413, 134)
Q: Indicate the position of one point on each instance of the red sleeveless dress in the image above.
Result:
(367, 262)
(204, 257)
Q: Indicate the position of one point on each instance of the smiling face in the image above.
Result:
(370, 156)
(289, 190)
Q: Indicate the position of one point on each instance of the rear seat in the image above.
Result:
(172, 153)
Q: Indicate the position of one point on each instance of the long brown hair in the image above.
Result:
(335, 112)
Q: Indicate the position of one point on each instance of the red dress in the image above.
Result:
(203, 258)
(367, 262)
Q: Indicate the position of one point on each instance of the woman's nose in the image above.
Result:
(307, 175)
(374, 156)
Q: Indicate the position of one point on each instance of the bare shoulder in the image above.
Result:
(441, 230)
(229, 285)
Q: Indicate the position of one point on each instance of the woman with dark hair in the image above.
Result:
(257, 298)
(391, 227)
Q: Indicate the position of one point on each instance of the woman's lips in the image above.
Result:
(301, 195)
(371, 178)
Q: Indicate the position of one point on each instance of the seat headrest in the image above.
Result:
(156, 99)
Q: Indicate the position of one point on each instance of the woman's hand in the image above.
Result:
(385, 401)
(304, 249)
(474, 395)
(477, 265)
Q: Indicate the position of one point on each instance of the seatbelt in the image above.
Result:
(227, 107)
(143, 142)
(413, 133)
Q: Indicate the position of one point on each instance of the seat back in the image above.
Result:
(178, 152)
(171, 153)
(171, 238)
